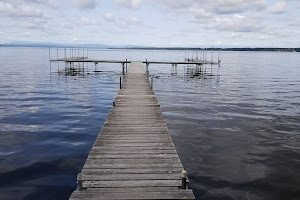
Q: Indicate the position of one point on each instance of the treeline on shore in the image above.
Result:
(217, 49)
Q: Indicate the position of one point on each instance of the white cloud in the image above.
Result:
(84, 4)
(133, 21)
(278, 8)
(34, 23)
(29, 25)
(51, 3)
(19, 10)
(217, 6)
(235, 23)
(65, 25)
(131, 4)
(294, 22)
(109, 17)
(129, 21)
(83, 21)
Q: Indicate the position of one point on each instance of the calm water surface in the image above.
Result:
(236, 134)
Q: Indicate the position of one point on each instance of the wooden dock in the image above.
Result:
(96, 61)
(133, 156)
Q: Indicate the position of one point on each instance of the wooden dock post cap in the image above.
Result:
(183, 174)
(79, 177)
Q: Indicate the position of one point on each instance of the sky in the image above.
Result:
(160, 23)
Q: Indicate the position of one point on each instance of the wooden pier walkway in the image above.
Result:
(134, 156)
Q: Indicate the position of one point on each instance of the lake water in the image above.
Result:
(237, 134)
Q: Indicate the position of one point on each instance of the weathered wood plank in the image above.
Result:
(132, 166)
(137, 138)
(133, 144)
(131, 156)
(125, 177)
(136, 189)
(132, 161)
(134, 137)
(132, 183)
(120, 148)
(97, 172)
(185, 194)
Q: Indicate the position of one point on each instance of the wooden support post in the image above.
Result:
(126, 65)
(183, 177)
(57, 57)
(123, 70)
(152, 82)
(79, 182)
(120, 82)
(147, 67)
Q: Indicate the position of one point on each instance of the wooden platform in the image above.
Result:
(96, 61)
(134, 156)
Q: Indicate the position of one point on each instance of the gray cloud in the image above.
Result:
(200, 13)
(237, 6)
(84, 4)
(131, 4)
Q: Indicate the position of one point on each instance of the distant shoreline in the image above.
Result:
(217, 49)
(154, 48)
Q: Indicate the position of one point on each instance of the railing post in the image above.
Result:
(183, 178)
(123, 70)
(120, 82)
(79, 182)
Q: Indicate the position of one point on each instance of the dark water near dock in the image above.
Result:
(237, 135)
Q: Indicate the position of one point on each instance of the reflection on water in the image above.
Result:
(237, 133)
(238, 137)
(48, 124)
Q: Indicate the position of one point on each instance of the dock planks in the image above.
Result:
(133, 157)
